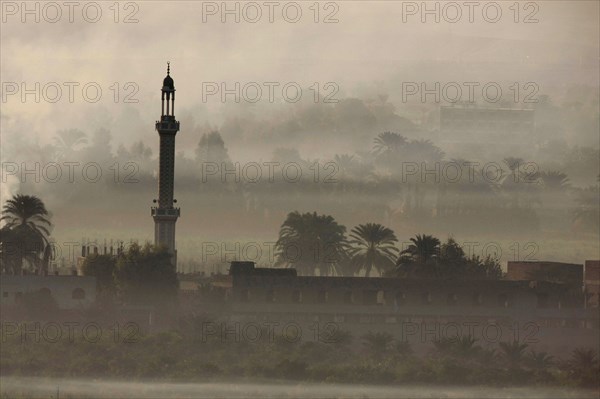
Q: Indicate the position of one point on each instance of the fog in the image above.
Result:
(237, 186)
(67, 388)
(475, 126)
(368, 51)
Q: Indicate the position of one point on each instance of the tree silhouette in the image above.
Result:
(388, 143)
(424, 151)
(425, 257)
(26, 232)
(513, 163)
(513, 353)
(540, 361)
(145, 275)
(583, 367)
(309, 241)
(211, 148)
(459, 347)
(372, 248)
(420, 257)
(555, 181)
(378, 343)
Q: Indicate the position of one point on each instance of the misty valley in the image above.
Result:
(350, 200)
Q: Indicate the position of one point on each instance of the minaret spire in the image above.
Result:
(165, 214)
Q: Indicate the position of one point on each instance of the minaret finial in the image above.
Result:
(168, 67)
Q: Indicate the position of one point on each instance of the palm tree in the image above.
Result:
(27, 219)
(462, 347)
(513, 163)
(465, 346)
(420, 257)
(309, 241)
(346, 164)
(513, 352)
(555, 181)
(372, 247)
(424, 151)
(423, 248)
(26, 210)
(388, 143)
(378, 343)
(582, 359)
(584, 367)
(540, 361)
(514, 183)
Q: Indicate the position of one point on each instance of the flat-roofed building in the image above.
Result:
(592, 283)
(568, 273)
(69, 292)
(549, 314)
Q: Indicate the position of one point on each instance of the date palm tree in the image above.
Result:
(540, 361)
(513, 353)
(372, 248)
(513, 163)
(459, 347)
(420, 257)
(387, 143)
(582, 359)
(583, 366)
(26, 218)
(424, 151)
(555, 181)
(309, 242)
(378, 343)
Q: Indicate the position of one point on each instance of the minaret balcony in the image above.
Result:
(174, 212)
(167, 126)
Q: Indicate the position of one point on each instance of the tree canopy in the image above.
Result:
(25, 235)
(146, 275)
(310, 242)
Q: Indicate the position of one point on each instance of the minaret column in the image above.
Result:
(165, 214)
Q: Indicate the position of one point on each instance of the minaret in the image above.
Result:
(165, 215)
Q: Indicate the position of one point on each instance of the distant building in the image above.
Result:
(551, 314)
(69, 292)
(458, 123)
(592, 282)
(284, 286)
(568, 273)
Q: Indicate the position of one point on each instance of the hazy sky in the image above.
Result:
(368, 48)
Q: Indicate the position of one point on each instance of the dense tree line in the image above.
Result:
(375, 358)
(395, 177)
(313, 243)
(549, 187)
(138, 275)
